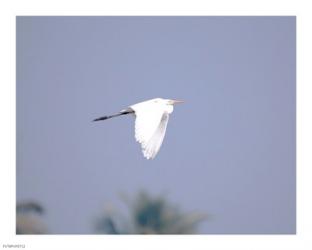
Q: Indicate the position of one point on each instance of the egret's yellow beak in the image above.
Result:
(176, 101)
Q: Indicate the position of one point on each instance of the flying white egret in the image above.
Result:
(150, 124)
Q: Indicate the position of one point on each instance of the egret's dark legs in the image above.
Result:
(123, 112)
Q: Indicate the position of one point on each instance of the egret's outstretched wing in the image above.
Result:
(153, 145)
(150, 129)
(148, 116)
(146, 123)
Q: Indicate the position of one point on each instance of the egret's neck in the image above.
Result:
(169, 109)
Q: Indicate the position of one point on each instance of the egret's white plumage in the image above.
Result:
(150, 123)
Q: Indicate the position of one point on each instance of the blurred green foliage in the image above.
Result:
(148, 215)
(28, 218)
(145, 214)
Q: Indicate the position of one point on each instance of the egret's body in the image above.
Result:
(150, 124)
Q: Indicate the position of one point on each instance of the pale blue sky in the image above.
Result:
(229, 150)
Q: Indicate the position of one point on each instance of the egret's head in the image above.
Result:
(166, 104)
(166, 101)
(173, 102)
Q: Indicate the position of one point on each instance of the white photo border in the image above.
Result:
(10, 9)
